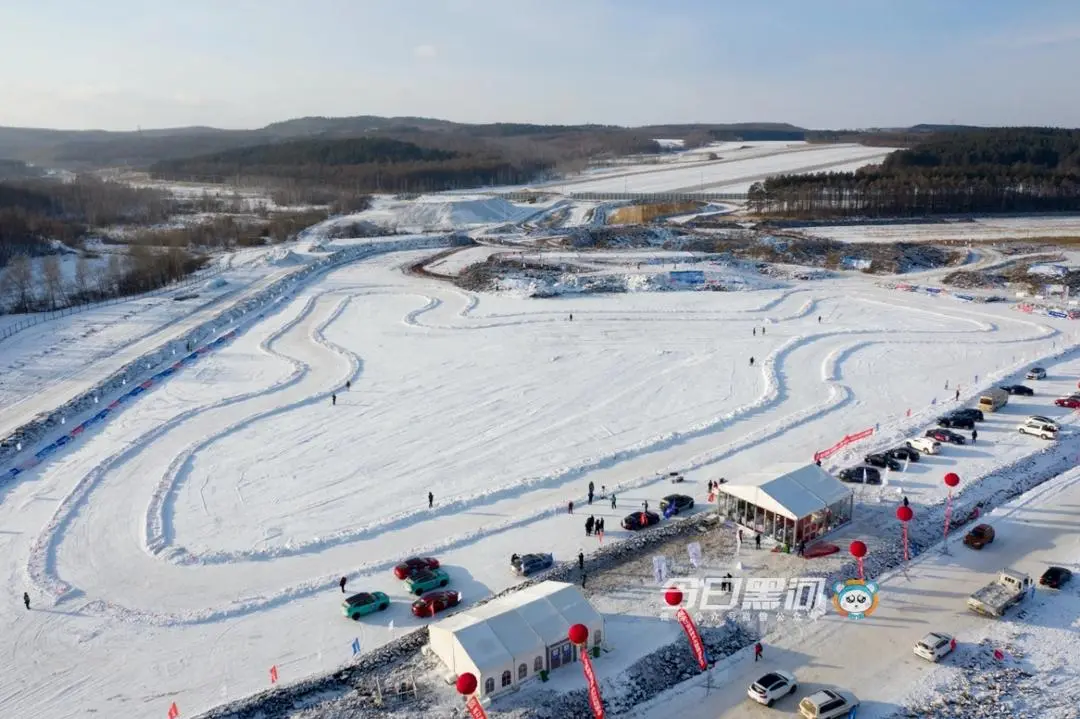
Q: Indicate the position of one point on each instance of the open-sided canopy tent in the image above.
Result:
(790, 502)
(514, 638)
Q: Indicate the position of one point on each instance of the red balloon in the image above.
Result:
(578, 634)
(857, 549)
(673, 596)
(466, 683)
(904, 514)
(952, 479)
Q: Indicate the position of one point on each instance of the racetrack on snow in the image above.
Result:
(205, 528)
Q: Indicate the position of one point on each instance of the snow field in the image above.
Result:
(501, 407)
(981, 229)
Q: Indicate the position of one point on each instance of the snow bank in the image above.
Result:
(436, 213)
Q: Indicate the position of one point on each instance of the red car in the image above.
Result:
(1070, 402)
(434, 602)
(414, 564)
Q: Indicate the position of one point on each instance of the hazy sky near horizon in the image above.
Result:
(122, 64)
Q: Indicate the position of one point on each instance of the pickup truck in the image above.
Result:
(995, 598)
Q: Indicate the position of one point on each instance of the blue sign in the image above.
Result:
(933, 290)
(1057, 313)
(690, 277)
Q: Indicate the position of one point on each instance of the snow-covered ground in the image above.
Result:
(986, 228)
(244, 494)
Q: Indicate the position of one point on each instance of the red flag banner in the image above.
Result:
(696, 645)
(173, 711)
(473, 706)
(594, 689)
(825, 453)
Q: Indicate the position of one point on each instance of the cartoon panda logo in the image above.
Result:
(855, 598)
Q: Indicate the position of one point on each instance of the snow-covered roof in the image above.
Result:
(791, 490)
(520, 625)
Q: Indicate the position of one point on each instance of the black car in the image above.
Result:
(909, 453)
(680, 502)
(975, 414)
(955, 422)
(1019, 389)
(882, 460)
(944, 435)
(860, 475)
(1055, 577)
(640, 520)
(529, 564)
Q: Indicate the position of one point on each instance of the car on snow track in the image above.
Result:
(1069, 402)
(415, 564)
(906, 452)
(934, 646)
(944, 435)
(1036, 373)
(364, 603)
(860, 475)
(979, 537)
(529, 564)
(828, 704)
(1019, 389)
(432, 603)
(772, 686)
(924, 445)
(1055, 577)
(678, 501)
(640, 520)
(972, 412)
(426, 580)
(883, 460)
(954, 422)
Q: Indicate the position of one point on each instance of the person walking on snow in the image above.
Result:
(591, 487)
(758, 651)
(974, 435)
(819, 319)
(755, 331)
(571, 316)
(581, 560)
(645, 504)
(26, 599)
(763, 331)
(905, 501)
(613, 500)
(570, 507)
(589, 524)
(342, 583)
(751, 361)
(348, 385)
(957, 397)
(757, 540)
(333, 400)
(603, 491)
(430, 500)
(600, 526)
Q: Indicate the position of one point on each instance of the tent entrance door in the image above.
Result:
(561, 653)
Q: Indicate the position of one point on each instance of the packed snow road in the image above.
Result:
(873, 657)
(180, 550)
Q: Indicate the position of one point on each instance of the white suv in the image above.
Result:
(1038, 428)
(771, 687)
(827, 704)
(924, 445)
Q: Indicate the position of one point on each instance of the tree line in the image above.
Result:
(961, 172)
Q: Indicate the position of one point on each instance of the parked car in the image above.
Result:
(906, 452)
(955, 422)
(882, 460)
(1036, 373)
(934, 646)
(415, 564)
(924, 445)
(1068, 402)
(1055, 577)
(860, 475)
(434, 602)
(426, 580)
(1037, 428)
(944, 435)
(827, 704)
(680, 502)
(364, 603)
(972, 412)
(1019, 389)
(529, 564)
(1038, 418)
(772, 686)
(979, 537)
(640, 520)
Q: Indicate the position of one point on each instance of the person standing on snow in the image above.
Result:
(342, 584)
(751, 361)
(757, 540)
(819, 319)
(905, 501)
(956, 398)
(763, 331)
(570, 507)
(974, 435)
(589, 524)
(430, 500)
(333, 400)
(613, 500)
(26, 599)
(581, 560)
(348, 385)
(755, 331)
(571, 316)
(759, 651)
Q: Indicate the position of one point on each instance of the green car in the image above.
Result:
(359, 605)
(425, 580)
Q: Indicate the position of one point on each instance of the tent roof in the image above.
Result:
(519, 625)
(790, 490)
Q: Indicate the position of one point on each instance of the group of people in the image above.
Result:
(594, 526)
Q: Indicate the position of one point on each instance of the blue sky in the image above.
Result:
(122, 64)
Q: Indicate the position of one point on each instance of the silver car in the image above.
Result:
(827, 704)
(934, 646)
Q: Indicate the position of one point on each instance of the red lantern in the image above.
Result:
(904, 514)
(578, 634)
(466, 684)
(857, 549)
(673, 597)
(952, 479)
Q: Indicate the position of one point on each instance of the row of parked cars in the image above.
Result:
(423, 577)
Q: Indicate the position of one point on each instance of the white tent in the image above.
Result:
(785, 496)
(514, 638)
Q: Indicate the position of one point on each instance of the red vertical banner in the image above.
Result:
(173, 711)
(473, 706)
(696, 645)
(594, 689)
(273, 674)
